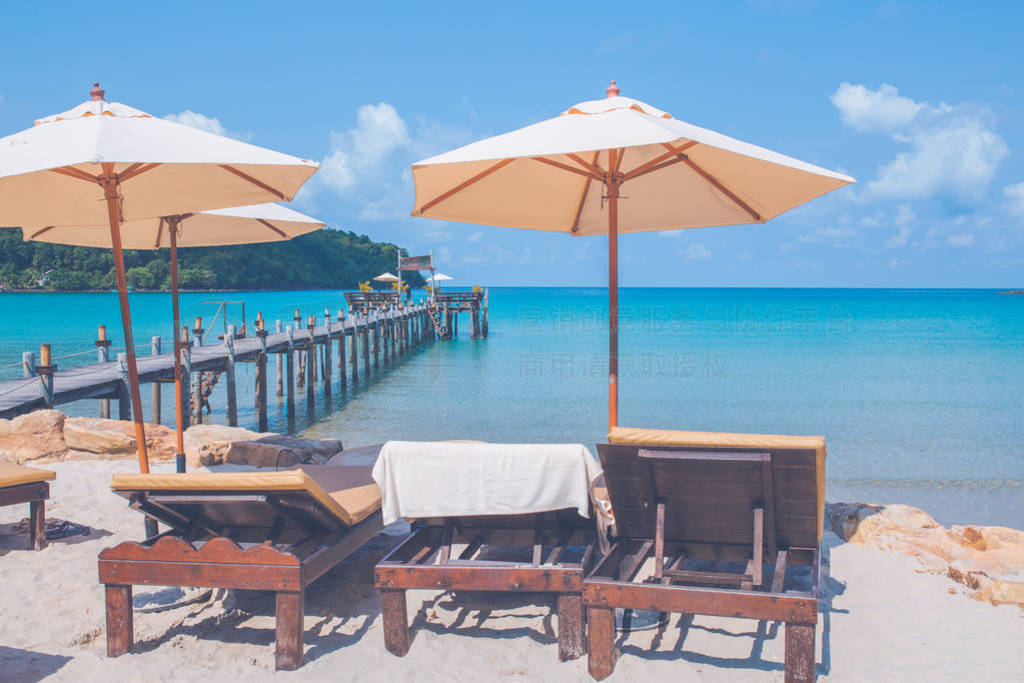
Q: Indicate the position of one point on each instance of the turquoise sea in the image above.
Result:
(920, 393)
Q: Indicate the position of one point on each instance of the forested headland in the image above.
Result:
(325, 259)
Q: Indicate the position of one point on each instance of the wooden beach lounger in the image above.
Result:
(546, 552)
(20, 484)
(261, 530)
(560, 544)
(698, 504)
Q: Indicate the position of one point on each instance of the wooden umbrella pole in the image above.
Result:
(109, 183)
(172, 231)
(612, 187)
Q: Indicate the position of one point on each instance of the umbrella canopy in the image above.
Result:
(439, 277)
(218, 227)
(565, 174)
(552, 175)
(386, 277)
(105, 161)
(161, 168)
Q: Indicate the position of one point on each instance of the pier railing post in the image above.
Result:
(229, 376)
(155, 344)
(45, 370)
(28, 364)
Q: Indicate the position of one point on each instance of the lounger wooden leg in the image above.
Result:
(570, 626)
(600, 641)
(396, 621)
(290, 607)
(800, 653)
(37, 524)
(120, 633)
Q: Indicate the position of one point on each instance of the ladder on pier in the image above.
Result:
(435, 317)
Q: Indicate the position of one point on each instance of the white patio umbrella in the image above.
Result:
(557, 175)
(439, 277)
(108, 162)
(239, 225)
(386, 277)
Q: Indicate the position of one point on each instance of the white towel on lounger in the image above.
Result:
(456, 479)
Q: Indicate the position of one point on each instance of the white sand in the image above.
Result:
(887, 621)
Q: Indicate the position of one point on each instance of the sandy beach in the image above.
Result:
(883, 619)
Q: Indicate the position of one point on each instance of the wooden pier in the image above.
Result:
(328, 352)
(445, 308)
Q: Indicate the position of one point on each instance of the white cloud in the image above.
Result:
(964, 239)
(476, 236)
(1015, 194)
(368, 164)
(837, 237)
(210, 124)
(952, 149)
(879, 110)
(904, 217)
(695, 252)
(900, 239)
(378, 132)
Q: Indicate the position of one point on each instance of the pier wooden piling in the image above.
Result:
(342, 370)
(229, 377)
(278, 360)
(103, 356)
(155, 344)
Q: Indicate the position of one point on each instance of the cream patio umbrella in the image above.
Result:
(565, 174)
(439, 277)
(105, 162)
(386, 277)
(239, 225)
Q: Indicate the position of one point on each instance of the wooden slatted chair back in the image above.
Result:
(710, 495)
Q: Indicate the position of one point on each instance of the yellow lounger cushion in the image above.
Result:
(14, 475)
(672, 437)
(348, 491)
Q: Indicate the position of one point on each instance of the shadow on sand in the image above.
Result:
(26, 665)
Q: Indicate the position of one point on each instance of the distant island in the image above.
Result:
(326, 259)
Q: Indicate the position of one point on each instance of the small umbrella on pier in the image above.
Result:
(565, 175)
(386, 277)
(240, 225)
(108, 163)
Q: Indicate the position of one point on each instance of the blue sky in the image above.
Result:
(919, 101)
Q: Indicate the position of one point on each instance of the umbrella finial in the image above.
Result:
(612, 90)
(97, 92)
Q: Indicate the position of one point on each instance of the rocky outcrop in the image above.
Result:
(987, 560)
(48, 435)
(39, 435)
(207, 445)
(88, 437)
